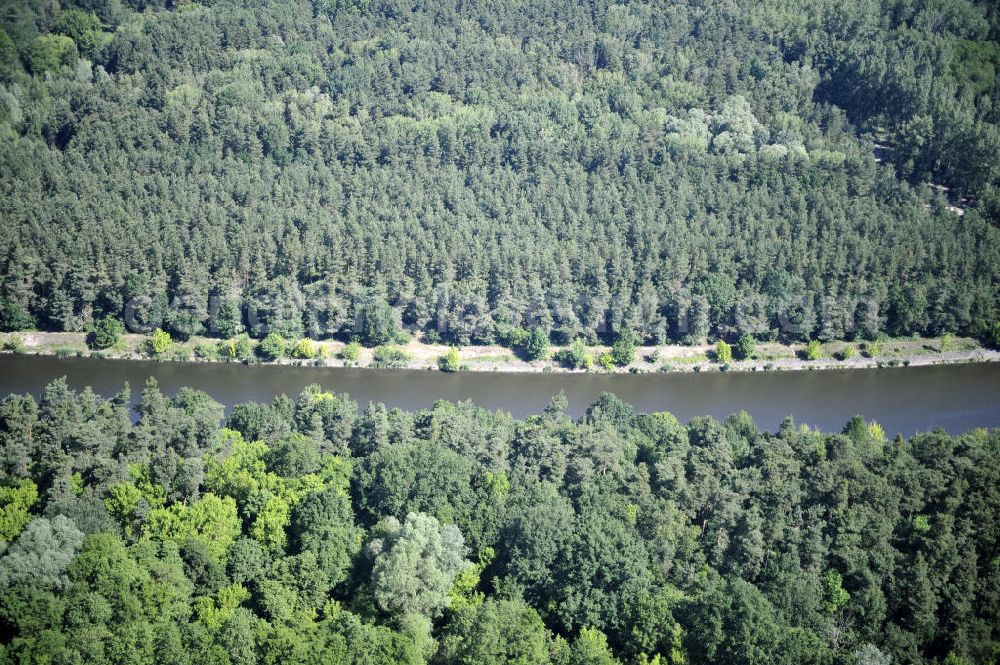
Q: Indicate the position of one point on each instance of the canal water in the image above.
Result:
(904, 400)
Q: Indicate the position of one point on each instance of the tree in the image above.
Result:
(723, 352)
(304, 348)
(450, 362)
(746, 346)
(42, 555)
(376, 323)
(49, 53)
(13, 317)
(239, 347)
(414, 564)
(350, 352)
(323, 522)
(495, 632)
(15, 502)
(106, 333)
(623, 350)
(159, 342)
(272, 347)
(575, 356)
(533, 344)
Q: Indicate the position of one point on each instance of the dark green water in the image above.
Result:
(904, 400)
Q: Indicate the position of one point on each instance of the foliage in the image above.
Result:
(723, 352)
(106, 333)
(812, 350)
(15, 502)
(622, 537)
(351, 351)
(390, 356)
(304, 348)
(415, 563)
(746, 346)
(15, 344)
(377, 323)
(239, 347)
(450, 362)
(623, 350)
(272, 347)
(532, 344)
(575, 356)
(159, 342)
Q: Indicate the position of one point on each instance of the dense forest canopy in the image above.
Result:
(309, 531)
(674, 169)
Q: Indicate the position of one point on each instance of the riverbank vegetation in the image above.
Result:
(745, 356)
(684, 173)
(310, 530)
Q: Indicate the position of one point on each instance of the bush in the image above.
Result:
(846, 353)
(947, 340)
(723, 352)
(304, 349)
(531, 344)
(350, 352)
(575, 356)
(206, 351)
(105, 333)
(239, 347)
(15, 344)
(623, 350)
(606, 360)
(272, 347)
(871, 349)
(159, 342)
(746, 346)
(450, 362)
(386, 357)
(812, 350)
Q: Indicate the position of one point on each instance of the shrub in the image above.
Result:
(450, 362)
(206, 351)
(746, 346)
(304, 349)
(575, 356)
(531, 344)
(239, 347)
(947, 340)
(159, 342)
(812, 350)
(15, 344)
(653, 356)
(105, 333)
(272, 347)
(350, 352)
(871, 349)
(390, 357)
(623, 350)
(606, 360)
(846, 353)
(723, 352)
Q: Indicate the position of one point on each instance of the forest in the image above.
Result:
(677, 171)
(310, 530)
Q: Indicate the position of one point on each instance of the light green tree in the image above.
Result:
(723, 352)
(415, 564)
